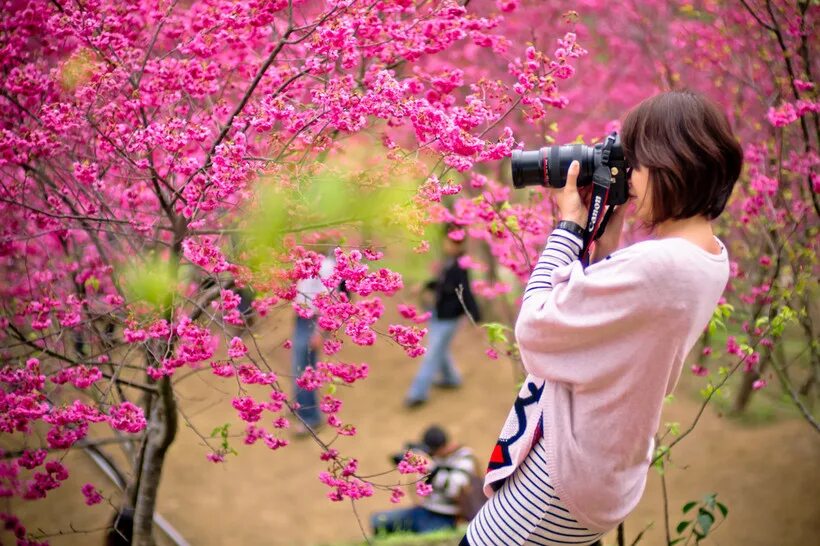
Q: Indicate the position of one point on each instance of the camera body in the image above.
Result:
(409, 446)
(549, 166)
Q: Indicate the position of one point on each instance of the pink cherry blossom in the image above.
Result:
(91, 494)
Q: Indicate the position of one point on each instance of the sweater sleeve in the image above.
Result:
(574, 322)
(563, 247)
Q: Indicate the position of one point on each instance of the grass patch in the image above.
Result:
(446, 537)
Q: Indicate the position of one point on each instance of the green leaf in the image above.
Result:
(495, 227)
(723, 510)
(221, 430)
(682, 526)
(495, 332)
(688, 506)
(512, 223)
(707, 391)
(93, 282)
(709, 500)
(660, 451)
(705, 520)
(673, 542)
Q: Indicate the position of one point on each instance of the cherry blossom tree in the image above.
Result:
(162, 161)
(171, 170)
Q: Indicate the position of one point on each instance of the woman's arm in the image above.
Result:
(563, 248)
(604, 310)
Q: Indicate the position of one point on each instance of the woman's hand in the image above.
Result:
(570, 204)
(611, 238)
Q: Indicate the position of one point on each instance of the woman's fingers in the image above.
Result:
(569, 202)
(572, 176)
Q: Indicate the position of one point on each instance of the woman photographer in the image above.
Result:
(603, 345)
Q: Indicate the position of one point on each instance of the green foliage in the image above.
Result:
(151, 281)
(711, 391)
(700, 522)
(496, 332)
(784, 316)
(222, 432)
(512, 223)
(262, 237)
(673, 428)
(93, 283)
(329, 197)
(660, 453)
(721, 314)
(415, 267)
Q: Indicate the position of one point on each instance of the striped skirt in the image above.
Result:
(527, 510)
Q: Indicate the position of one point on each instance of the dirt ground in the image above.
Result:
(767, 475)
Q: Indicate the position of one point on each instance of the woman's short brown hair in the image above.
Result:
(694, 159)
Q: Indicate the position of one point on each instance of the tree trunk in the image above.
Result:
(162, 428)
(744, 395)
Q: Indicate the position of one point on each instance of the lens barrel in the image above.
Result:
(528, 168)
(549, 165)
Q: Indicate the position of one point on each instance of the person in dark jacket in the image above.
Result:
(438, 367)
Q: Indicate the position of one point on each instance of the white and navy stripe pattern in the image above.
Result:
(527, 511)
(563, 247)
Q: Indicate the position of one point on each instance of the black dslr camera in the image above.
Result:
(603, 165)
(549, 165)
(409, 446)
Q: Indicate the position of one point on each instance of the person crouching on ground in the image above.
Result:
(450, 476)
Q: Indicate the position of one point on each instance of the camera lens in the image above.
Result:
(528, 168)
(548, 166)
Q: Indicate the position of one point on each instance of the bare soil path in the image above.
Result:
(767, 475)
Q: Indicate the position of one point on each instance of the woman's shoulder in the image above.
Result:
(670, 249)
(667, 259)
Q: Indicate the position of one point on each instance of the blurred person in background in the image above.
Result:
(437, 367)
(307, 341)
(453, 472)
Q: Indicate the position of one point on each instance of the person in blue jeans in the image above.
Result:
(306, 342)
(450, 472)
(437, 367)
(304, 355)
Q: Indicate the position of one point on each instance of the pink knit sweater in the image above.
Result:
(607, 343)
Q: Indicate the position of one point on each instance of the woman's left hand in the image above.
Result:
(610, 241)
(570, 204)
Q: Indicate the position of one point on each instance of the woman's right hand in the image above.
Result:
(571, 205)
(610, 241)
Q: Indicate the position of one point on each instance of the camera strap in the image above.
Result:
(599, 213)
